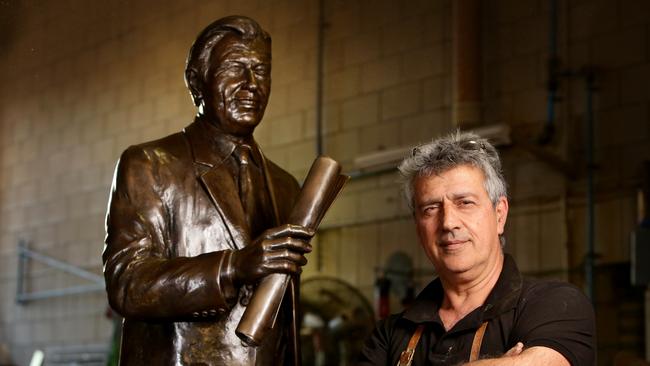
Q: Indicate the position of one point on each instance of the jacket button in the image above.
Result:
(204, 313)
(195, 314)
(213, 312)
(221, 311)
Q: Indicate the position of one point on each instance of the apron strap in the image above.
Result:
(406, 357)
(476, 343)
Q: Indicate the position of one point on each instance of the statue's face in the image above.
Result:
(238, 84)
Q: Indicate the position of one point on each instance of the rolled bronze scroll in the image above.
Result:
(323, 183)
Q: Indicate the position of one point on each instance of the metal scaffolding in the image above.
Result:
(25, 255)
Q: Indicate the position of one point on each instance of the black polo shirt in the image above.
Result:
(545, 313)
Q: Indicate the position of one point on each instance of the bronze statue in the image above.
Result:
(194, 218)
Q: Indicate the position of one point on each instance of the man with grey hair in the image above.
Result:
(479, 310)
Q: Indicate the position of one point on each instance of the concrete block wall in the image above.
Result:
(81, 82)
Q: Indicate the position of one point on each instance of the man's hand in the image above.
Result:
(514, 351)
(278, 250)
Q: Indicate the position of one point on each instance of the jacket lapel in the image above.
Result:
(221, 188)
(218, 183)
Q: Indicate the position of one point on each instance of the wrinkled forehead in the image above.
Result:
(235, 45)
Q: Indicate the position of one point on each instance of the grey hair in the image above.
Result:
(198, 58)
(445, 153)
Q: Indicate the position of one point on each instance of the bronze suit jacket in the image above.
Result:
(174, 218)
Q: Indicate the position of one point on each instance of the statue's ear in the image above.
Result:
(194, 84)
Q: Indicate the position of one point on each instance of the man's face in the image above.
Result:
(457, 224)
(238, 84)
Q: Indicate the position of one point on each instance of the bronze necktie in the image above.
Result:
(246, 189)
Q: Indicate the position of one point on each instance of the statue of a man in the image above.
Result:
(194, 218)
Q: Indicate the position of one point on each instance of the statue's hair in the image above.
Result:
(453, 150)
(199, 57)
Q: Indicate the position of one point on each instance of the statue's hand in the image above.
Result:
(278, 250)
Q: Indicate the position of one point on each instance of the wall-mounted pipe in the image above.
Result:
(590, 257)
(320, 55)
(467, 92)
(553, 81)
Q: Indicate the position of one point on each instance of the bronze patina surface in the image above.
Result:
(193, 223)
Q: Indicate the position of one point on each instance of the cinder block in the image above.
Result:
(360, 111)
(141, 114)
(424, 127)
(56, 210)
(380, 203)
(525, 244)
(342, 84)
(302, 34)
(529, 36)
(27, 193)
(123, 141)
(343, 146)
(348, 255)
(22, 333)
(622, 48)
(16, 220)
(290, 69)
(404, 35)
(529, 106)
(77, 205)
(553, 239)
(381, 73)
(635, 117)
(512, 10)
(278, 102)
(91, 229)
(433, 91)
(116, 121)
(91, 178)
(498, 109)
(331, 122)
(608, 235)
(301, 95)
(399, 235)
(635, 84)
(361, 48)
(591, 18)
(291, 12)
(330, 246)
(400, 101)
(287, 129)
(300, 157)
(368, 261)
(521, 74)
(425, 61)
(154, 131)
(380, 137)
(344, 209)
(167, 105)
(344, 21)
(104, 150)
(378, 13)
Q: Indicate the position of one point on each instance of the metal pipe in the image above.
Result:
(319, 100)
(63, 266)
(553, 78)
(22, 266)
(319, 77)
(589, 137)
(467, 94)
(46, 294)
